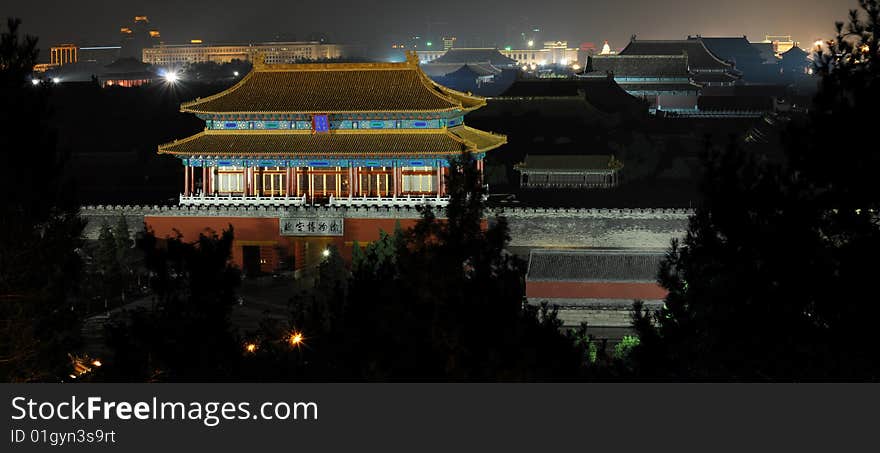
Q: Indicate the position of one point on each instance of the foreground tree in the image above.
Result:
(39, 226)
(186, 335)
(774, 279)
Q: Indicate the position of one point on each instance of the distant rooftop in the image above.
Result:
(700, 58)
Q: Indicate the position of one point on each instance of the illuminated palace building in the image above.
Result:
(310, 143)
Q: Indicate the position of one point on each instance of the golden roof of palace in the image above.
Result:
(335, 88)
(348, 143)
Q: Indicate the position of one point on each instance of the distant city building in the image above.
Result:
(137, 36)
(569, 172)
(448, 42)
(606, 49)
(63, 54)
(275, 52)
(780, 43)
(553, 53)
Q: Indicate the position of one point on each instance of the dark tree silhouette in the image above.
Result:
(186, 335)
(39, 226)
(776, 276)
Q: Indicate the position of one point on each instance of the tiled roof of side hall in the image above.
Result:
(335, 87)
(666, 66)
(699, 57)
(594, 265)
(353, 143)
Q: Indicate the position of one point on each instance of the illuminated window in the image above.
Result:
(418, 180)
(230, 180)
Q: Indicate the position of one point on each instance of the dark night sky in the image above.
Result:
(476, 22)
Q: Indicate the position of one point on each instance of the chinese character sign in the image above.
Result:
(320, 123)
(311, 226)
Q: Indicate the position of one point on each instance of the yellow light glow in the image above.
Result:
(296, 339)
(250, 348)
(575, 66)
(195, 41)
(531, 43)
(96, 363)
(819, 43)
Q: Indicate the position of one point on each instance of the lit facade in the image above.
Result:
(296, 157)
(273, 52)
(63, 54)
(328, 133)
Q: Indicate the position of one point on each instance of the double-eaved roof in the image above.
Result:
(334, 88)
(349, 143)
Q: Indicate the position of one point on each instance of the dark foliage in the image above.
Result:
(186, 335)
(39, 226)
(775, 279)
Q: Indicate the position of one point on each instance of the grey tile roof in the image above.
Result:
(699, 57)
(665, 66)
(594, 265)
(566, 162)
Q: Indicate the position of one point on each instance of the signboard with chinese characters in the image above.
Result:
(311, 226)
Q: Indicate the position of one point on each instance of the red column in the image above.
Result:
(186, 180)
(287, 178)
(204, 181)
(439, 178)
(295, 182)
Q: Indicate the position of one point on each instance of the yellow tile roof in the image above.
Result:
(351, 143)
(335, 88)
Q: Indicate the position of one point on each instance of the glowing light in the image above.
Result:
(525, 67)
(531, 43)
(56, 80)
(235, 73)
(250, 348)
(534, 66)
(35, 81)
(96, 363)
(818, 43)
(507, 48)
(296, 339)
(575, 66)
(563, 61)
(171, 76)
(429, 43)
(325, 253)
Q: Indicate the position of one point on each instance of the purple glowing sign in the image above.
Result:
(320, 123)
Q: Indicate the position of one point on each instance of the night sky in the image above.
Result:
(475, 22)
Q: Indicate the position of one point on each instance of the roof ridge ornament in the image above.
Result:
(260, 61)
(412, 58)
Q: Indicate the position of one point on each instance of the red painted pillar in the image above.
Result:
(439, 179)
(204, 181)
(186, 180)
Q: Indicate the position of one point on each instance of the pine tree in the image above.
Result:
(774, 278)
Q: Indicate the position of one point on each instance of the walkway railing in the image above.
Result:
(226, 200)
(388, 201)
(233, 200)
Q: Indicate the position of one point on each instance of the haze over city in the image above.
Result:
(476, 23)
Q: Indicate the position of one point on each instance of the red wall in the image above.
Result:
(265, 232)
(594, 290)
